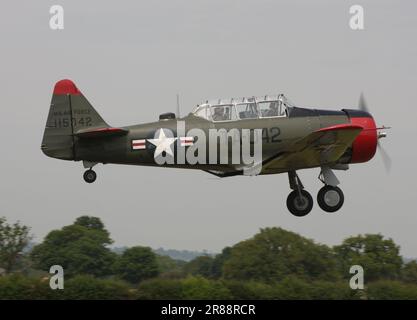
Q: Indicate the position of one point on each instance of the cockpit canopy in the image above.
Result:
(244, 108)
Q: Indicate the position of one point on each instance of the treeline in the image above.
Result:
(274, 264)
(185, 255)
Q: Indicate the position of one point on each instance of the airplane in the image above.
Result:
(290, 139)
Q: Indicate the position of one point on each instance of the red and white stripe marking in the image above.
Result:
(186, 141)
(139, 144)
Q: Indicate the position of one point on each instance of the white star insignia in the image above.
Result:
(163, 143)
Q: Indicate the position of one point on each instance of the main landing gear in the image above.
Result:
(330, 198)
(90, 175)
(299, 201)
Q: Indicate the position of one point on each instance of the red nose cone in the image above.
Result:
(66, 87)
(364, 146)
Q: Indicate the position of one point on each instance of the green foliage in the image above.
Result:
(18, 287)
(188, 288)
(200, 266)
(137, 264)
(379, 257)
(13, 239)
(249, 290)
(274, 264)
(93, 223)
(183, 255)
(170, 268)
(338, 290)
(391, 290)
(200, 288)
(274, 253)
(290, 288)
(207, 266)
(78, 248)
(167, 264)
(85, 287)
(219, 260)
(409, 272)
(161, 289)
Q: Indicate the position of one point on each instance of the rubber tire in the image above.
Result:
(323, 205)
(296, 211)
(90, 176)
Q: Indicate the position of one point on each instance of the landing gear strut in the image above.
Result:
(90, 176)
(330, 198)
(299, 201)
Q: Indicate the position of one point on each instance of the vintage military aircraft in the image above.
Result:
(292, 138)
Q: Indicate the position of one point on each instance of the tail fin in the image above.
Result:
(69, 112)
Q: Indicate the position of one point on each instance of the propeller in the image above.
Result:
(362, 103)
(386, 159)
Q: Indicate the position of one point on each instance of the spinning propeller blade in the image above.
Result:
(386, 159)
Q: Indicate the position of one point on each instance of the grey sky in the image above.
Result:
(130, 58)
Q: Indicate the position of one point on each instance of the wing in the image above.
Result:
(323, 146)
(100, 132)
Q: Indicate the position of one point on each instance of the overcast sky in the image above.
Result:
(130, 58)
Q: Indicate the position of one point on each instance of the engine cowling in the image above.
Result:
(365, 144)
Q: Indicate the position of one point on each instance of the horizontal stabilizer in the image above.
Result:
(100, 132)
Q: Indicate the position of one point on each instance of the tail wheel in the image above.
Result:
(90, 176)
(330, 199)
(298, 205)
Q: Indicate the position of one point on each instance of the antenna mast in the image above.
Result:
(178, 105)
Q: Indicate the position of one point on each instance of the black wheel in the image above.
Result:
(299, 206)
(330, 199)
(90, 176)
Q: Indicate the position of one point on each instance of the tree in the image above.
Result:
(160, 289)
(137, 264)
(219, 260)
(170, 268)
(93, 223)
(86, 287)
(81, 287)
(198, 288)
(275, 253)
(379, 257)
(80, 248)
(200, 266)
(409, 272)
(13, 239)
(187, 289)
(391, 290)
(18, 287)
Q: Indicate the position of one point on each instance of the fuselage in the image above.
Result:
(277, 136)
